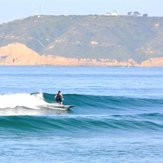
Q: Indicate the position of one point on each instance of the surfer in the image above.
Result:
(59, 98)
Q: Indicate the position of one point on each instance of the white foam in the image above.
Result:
(22, 100)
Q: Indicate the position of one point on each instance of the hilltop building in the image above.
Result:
(114, 13)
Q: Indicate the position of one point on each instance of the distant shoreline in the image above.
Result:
(20, 55)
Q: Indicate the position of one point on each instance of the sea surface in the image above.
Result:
(117, 115)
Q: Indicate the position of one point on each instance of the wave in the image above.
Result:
(91, 100)
(41, 103)
(73, 124)
(86, 104)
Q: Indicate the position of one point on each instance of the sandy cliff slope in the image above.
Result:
(20, 54)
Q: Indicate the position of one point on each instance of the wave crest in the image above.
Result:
(77, 123)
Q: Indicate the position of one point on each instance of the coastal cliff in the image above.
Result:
(20, 54)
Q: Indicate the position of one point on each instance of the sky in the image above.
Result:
(17, 9)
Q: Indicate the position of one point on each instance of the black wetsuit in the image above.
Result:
(59, 98)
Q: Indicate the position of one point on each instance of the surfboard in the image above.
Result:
(60, 107)
(65, 106)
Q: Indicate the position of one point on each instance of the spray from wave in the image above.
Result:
(24, 100)
(27, 104)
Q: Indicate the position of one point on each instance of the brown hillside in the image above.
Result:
(20, 54)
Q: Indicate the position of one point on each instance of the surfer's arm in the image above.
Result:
(62, 97)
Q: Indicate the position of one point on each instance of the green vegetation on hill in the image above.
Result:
(92, 36)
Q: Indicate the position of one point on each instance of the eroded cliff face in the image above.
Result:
(155, 62)
(20, 54)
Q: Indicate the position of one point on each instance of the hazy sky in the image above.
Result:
(15, 9)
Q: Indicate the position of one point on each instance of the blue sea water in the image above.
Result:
(117, 115)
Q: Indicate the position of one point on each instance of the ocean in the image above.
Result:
(117, 115)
